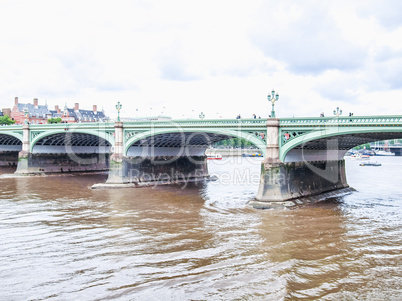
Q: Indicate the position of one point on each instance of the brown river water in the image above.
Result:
(61, 240)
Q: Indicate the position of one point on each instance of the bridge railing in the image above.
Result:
(300, 121)
(198, 123)
(343, 121)
(151, 123)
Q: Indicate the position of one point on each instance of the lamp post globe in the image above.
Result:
(337, 112)
(202, 115)
(118, 108)
(273, 98)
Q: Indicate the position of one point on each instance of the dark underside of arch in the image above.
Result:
(73, 139)
(346, 142)
(9, 149)
(9, 140)
(181, 139)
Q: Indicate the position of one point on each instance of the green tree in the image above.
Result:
(54, 120)
(6, 120)
(367, 146)
(234, 142)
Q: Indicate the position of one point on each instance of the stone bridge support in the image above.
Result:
(23, 155)
(281, 181)
(147, 167)
(118, 170)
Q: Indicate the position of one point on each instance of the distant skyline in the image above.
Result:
(222, 58)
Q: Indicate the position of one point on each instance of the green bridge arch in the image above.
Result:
(13, 134)
(260, 144)
(35, 137)
(370, 133)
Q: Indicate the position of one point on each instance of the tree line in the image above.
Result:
(6, 120)
(234, 142)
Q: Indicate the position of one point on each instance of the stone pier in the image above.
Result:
(286, 181)
(281, 181)
(148, 170)
(163, 170)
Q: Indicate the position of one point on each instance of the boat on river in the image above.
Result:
(359, 156)
(370, 164)
(384, 153)
(252, 155)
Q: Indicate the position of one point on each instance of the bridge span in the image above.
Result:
(303, 156)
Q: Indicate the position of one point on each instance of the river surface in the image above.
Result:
(61, 240)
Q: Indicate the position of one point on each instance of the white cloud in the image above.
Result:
(219, 57)
(307, 39)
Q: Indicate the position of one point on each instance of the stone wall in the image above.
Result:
(231, 152)
(56, 163)
(8, 158)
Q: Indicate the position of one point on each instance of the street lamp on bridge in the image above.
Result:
(26, 114)
(118, 108)
(202, 115)
(273, 98)
(337, 112)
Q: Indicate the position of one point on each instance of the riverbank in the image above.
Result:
(232, 152)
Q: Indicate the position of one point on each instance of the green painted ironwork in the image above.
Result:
(293, 132)
(238, 128)
(252, 130)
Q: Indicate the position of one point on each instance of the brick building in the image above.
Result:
(77, 115)
(39, 114)
(33, 113)
(6, 111)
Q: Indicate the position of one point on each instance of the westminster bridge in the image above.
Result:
(302, 156)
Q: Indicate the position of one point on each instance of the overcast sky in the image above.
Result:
(218, 57)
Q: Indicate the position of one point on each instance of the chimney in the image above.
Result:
(35, 103)
(16, 100)
(95, 109)
(56, 108)
(76, 106)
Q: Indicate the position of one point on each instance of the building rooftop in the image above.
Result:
(86, 115)
(34, 111)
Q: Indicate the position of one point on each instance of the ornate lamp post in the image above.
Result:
(337, 112)
(118, 108)
(26, 114)
(273, 98)
(202, 115)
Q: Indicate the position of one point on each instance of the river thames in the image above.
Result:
(61, 240)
